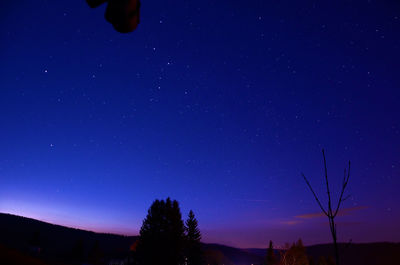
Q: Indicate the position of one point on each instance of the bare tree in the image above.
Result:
(330, 212)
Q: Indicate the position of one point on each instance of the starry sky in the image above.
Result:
(218, 104)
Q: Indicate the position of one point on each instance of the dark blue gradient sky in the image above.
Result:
(218, 104)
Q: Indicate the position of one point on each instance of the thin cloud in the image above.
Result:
(310, 215)
(298, 219)
(291, 222)
(345, 211)
(349, 223)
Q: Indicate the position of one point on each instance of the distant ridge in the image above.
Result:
(33, 220)
(18, 234)
(58, 242)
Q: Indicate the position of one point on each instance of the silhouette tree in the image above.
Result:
(161, 235)
(270, 259)
(330, 212)
(294, 255)
(193, 251)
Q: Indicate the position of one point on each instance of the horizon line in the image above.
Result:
(209, 243)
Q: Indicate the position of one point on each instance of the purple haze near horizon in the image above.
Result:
(217, 104)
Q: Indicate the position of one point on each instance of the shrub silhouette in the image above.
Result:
(294, 255)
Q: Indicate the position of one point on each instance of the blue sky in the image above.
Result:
(218, 104)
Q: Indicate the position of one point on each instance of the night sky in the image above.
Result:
(218, 104)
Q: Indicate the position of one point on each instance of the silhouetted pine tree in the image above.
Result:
(193, 251)
(162, 235)
(270, 259)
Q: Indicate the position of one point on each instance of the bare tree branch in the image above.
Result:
(344, 185)
(315, 196)
(327, 185)
(346, 198)
(330, 213)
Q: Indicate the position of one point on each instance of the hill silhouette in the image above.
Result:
(57, 243)
(21, 237)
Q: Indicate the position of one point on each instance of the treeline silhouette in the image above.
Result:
(165, 238)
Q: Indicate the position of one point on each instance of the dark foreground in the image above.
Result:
(28, 241)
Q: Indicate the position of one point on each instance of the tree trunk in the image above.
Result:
(335, 245)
